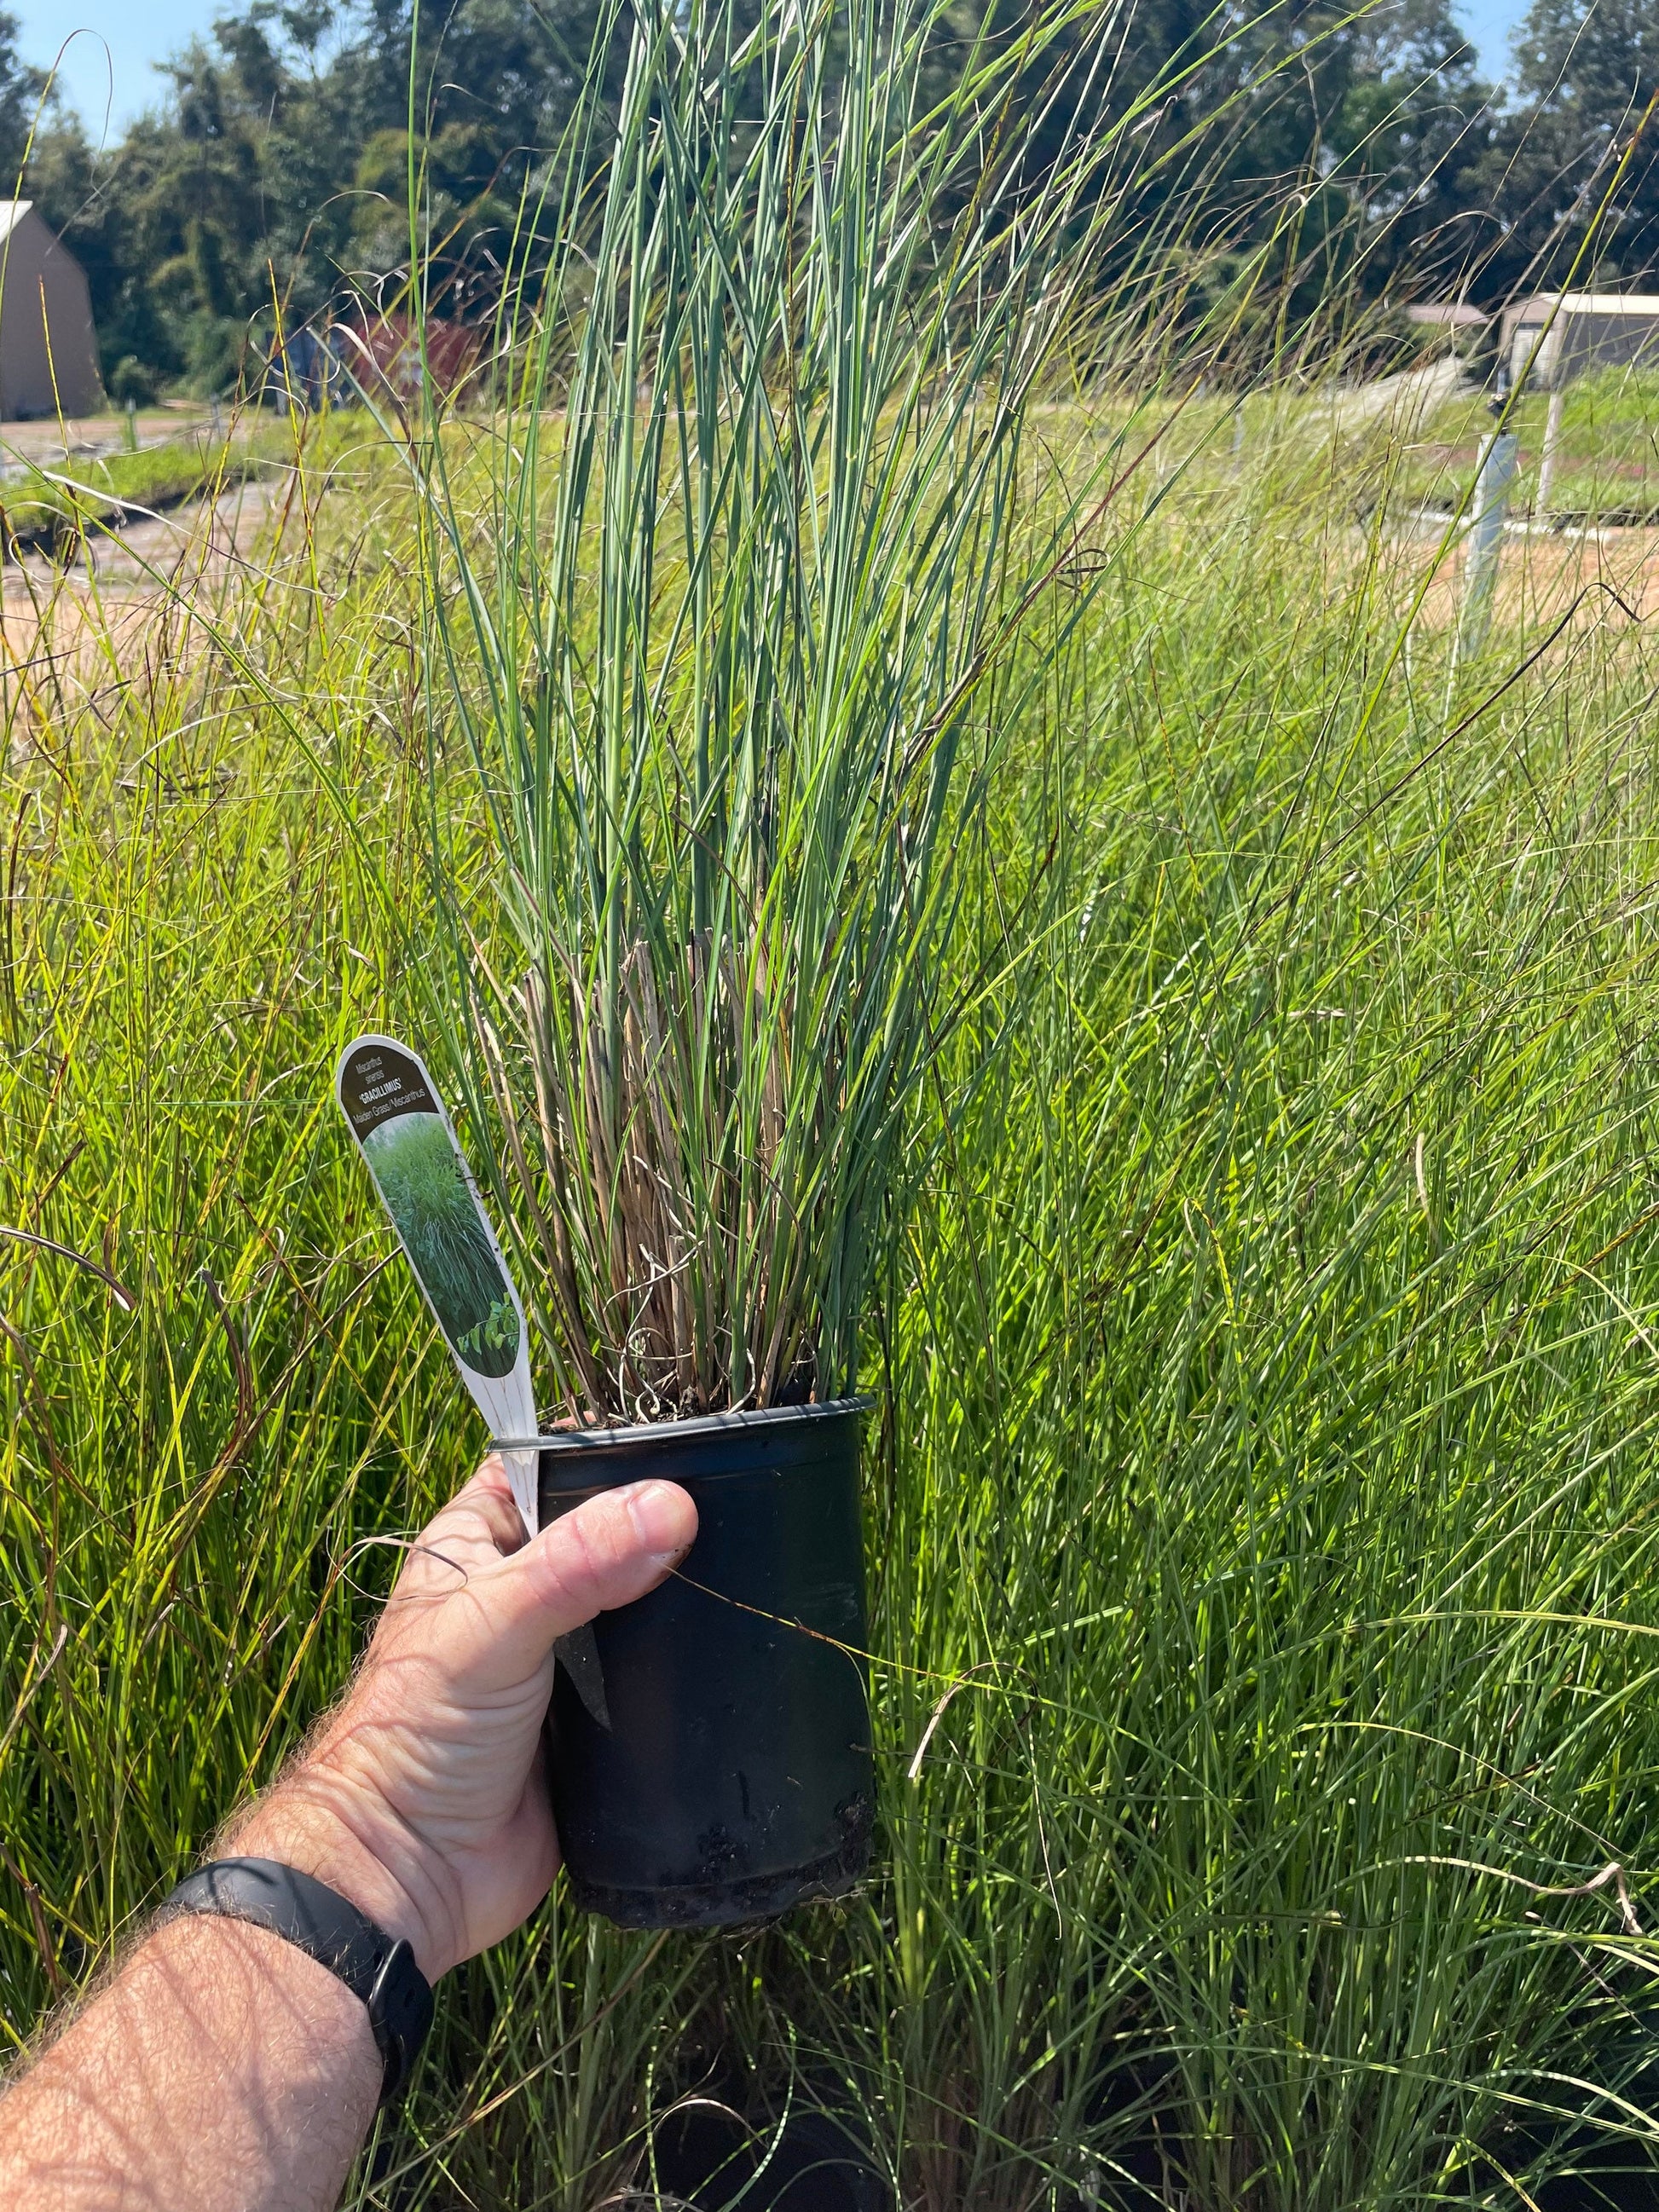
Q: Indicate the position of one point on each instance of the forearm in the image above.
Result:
(222, 2068)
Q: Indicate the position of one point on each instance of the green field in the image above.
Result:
(1260, 1505)
(1606, 466)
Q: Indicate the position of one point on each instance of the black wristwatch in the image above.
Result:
(378, 1968)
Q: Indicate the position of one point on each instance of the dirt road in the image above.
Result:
(99, 622)
(49, 442)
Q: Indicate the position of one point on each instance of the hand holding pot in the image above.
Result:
(421, 1797)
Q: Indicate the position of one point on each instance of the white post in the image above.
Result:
(1547, 459)
(1493, 482)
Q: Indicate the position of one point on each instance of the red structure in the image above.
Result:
(379, 354)
(388, 348)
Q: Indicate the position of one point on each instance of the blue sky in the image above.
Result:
(112, 71)
(1488, 24)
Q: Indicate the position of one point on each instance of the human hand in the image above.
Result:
(421, 1797)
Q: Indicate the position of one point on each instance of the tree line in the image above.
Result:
(1301, 149)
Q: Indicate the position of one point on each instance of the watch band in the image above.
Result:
(378, 1968)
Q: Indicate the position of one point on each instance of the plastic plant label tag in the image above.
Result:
(419, 1170)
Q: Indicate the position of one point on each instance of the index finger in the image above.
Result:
(489, 1495)
(479, 1527)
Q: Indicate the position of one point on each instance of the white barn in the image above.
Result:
(48, 347)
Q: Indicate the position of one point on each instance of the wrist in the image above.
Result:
(321, 1826)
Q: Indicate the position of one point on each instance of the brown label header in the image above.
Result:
(377, 1083)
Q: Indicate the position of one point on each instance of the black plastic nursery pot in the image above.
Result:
(722, 1773)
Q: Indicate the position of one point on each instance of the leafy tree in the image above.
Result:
(22, 91)
(1304, 142)
(274, 181)
(1344, 138)
(1585, 71)
(1296, 162)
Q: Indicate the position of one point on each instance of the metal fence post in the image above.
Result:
(1494, 478)
(1547, 462)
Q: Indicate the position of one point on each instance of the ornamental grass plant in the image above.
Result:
(727, 652)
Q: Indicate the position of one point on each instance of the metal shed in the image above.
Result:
(48, 346)
(1563, 333)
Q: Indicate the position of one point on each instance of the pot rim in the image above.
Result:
(695, 1424)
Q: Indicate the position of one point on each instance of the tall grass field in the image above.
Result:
(1261, 1501)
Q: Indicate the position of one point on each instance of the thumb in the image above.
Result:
(607, 1551)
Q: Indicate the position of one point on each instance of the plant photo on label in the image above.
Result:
(413, 1165)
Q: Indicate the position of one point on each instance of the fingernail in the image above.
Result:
(664, 1519)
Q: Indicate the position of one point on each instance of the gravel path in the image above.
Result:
(73, 632)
